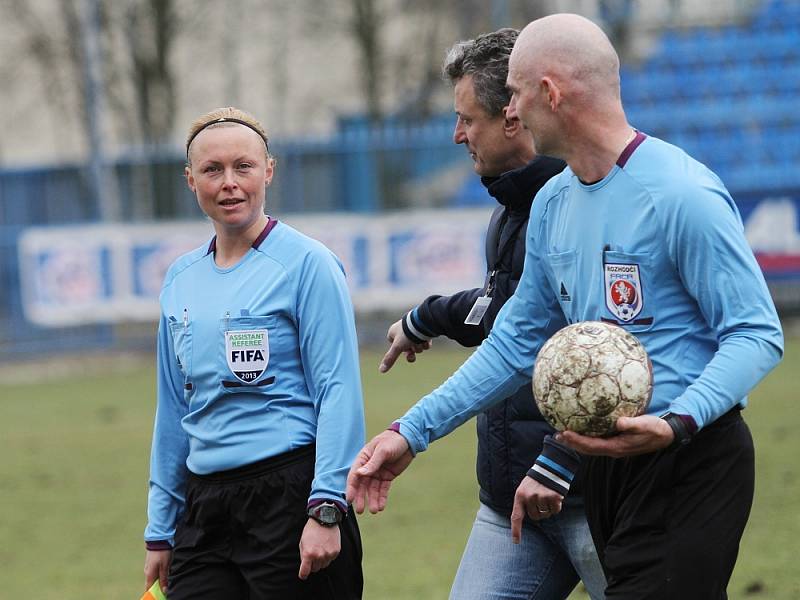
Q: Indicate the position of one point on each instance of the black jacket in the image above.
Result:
(511, 433)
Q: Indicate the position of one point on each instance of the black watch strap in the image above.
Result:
(683, 434)
(326, 514)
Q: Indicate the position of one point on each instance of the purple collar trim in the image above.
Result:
(265, 232)
(212, 247)
(634, 144)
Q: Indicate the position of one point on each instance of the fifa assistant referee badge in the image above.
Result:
(680, 428)
(326, 514)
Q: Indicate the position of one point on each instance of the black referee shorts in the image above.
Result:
(240, 534)
(667, 525)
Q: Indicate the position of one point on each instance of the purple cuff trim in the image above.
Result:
(317, 501)
(690, 423)
(626, 154)
(394, 427)
(158, 545)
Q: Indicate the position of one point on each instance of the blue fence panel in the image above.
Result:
(44, 195)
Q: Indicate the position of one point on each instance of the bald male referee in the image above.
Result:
(668, 497)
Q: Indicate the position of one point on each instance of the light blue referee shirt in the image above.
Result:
(254, 360)
(658, 247)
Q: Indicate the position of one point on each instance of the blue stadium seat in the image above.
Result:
(728, 95)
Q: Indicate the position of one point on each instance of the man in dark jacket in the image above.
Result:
(556, 552)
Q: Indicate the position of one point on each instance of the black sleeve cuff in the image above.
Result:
(414, 329)
(556, 466)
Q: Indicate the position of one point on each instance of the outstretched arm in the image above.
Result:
(498, 368)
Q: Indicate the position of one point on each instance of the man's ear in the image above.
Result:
(552, 93)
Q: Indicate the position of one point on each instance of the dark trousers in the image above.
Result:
(667, 525)
(239, 537)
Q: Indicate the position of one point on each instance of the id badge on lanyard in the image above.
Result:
(482, 303)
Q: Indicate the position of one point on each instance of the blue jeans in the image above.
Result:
(546, 565)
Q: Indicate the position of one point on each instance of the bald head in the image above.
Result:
(570, 49)
(564, 78)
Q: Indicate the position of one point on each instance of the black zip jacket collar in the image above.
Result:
(515, 189)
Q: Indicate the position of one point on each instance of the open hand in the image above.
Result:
(378, 463)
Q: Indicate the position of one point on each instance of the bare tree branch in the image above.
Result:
(151, 28)
(366, 30)
(45, 46)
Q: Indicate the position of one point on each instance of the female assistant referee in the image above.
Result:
(259, 411)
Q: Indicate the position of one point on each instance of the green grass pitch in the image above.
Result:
(74, 466)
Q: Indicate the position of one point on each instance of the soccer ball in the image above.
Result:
(588, 375)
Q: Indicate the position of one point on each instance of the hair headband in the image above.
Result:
(226, 120)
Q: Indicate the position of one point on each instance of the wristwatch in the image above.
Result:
(326, 514)
(683, 435)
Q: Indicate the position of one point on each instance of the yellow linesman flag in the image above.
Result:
(154, 593)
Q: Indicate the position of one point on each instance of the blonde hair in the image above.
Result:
(226, 117)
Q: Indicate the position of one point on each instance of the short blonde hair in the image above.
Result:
(226, 117)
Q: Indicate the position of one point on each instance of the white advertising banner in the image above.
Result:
(87, 274)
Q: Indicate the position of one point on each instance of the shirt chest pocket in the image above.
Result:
(247, 345)
(182, 343)
(564, 280)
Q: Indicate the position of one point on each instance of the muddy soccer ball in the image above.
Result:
(588, 375)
